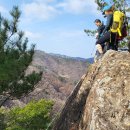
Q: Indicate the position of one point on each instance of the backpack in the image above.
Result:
(119, 25)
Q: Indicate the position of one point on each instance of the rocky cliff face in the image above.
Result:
(101, 100)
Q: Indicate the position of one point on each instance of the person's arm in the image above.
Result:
(108, 24)
(99, 31)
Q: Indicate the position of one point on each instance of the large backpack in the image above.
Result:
(119, 25)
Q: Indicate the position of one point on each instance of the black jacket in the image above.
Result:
(100, 30)
(108, 23)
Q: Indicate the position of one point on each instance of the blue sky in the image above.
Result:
(56, 26)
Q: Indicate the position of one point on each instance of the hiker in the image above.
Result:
(107, 36)
(100, 29)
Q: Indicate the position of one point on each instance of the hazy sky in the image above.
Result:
(57, 26)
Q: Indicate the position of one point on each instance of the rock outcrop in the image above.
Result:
(101, 101)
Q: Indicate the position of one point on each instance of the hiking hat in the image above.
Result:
(106, 8)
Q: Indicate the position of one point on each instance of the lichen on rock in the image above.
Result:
(102, 100)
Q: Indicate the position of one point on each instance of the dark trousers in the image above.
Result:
(111, 38)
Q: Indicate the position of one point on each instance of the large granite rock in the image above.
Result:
(102, 100)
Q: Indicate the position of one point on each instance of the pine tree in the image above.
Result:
(14, 56)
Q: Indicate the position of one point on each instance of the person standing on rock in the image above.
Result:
(107, 36)
(100, 29)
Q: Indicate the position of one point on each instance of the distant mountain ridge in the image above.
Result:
(60, 75)
(90, 60)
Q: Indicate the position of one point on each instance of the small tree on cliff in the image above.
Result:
(14, 56)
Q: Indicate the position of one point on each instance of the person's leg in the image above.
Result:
(99, 48)
(101, 42)
(113, 42)
(116, 45)
(97, 55)
(105, 47)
